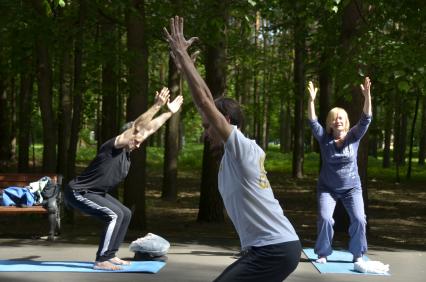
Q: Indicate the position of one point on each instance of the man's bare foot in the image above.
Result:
(119, 261)
(106, 265)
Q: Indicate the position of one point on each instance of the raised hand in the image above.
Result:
(162, 97)
(175, 38)
(312, 90)
(365, 88)
(176, 104)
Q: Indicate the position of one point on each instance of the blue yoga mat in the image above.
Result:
(75, 266)
(337, 262)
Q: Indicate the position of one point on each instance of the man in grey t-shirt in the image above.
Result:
(272, 246)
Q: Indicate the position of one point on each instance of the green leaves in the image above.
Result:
(57, 3)
(403, 86)
(252, 2)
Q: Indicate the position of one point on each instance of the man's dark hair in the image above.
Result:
(230, 109)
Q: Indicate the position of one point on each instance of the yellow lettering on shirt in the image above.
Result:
(263, 180)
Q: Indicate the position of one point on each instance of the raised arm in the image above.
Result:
(156, 123)
(365, 89)
(200, 93)
(160, 100)
(311, 102)
(132, 137)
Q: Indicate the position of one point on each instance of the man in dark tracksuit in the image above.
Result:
(88, 192)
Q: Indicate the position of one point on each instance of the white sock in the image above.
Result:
(321, 260)
(358, 259)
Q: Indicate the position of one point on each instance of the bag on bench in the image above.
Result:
(17, 196)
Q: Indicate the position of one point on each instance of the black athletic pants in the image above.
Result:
(109, 210)
(264, 264)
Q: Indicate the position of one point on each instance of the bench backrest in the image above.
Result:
(24, 179)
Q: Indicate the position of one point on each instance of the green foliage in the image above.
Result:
(189, 158)
(388, 43)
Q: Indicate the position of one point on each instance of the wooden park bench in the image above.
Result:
(52, 209)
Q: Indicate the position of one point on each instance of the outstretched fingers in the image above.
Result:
(173, 28)
(312, 90)
(176, 104)
(167, 34)
(365, 88)
(180, 25)
(163, 96)
(194, 56)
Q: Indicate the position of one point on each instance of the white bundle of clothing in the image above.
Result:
(371, 266)
(151, 244)
(37, 187)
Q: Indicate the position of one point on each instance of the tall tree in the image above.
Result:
(211, 205)
(388, 133)
(44, 82)
(24, 113)
(8, 33)
(110, 106)
(5, 118)
(351, 22)
(134, 192)
(65, 98)
(171, 150)
(299, 28)
(256, 92)
(422, 142)
(413, 128)
(78, 88)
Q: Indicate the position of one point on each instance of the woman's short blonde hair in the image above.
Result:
(332, 116)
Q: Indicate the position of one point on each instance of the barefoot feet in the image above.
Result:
(119, 261)
(106, 265)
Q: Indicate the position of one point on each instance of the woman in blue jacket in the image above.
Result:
(339, 178)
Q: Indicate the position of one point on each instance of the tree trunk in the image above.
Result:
(400, 130)
(266, 95)
(65, 110)
(5, 127)
(265, 120)
(350, 25)
(109, 126)
(77, 105)
(134, 192)
(325, 81)
(211, 205)
(422, 137)
(374, 135)
(244, 96)
(169, 191)
(285, 126)
(44, 79)
(256, 94)
(172, 136)
(24, 116)
(413, 127)
(299, 92)
(387, 137)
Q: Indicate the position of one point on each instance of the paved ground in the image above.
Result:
(191, 261)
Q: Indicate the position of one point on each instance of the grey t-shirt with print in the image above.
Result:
(248, 197)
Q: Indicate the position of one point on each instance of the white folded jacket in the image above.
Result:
(371, 266)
